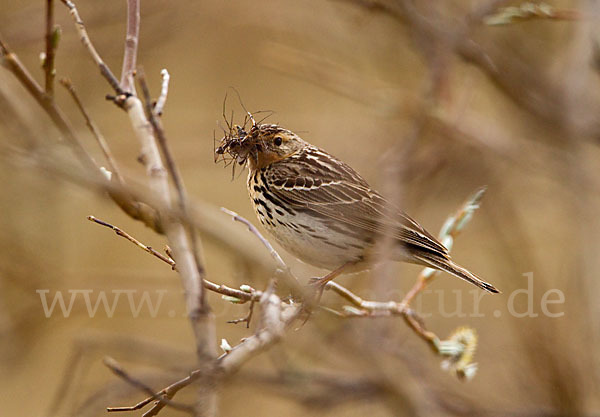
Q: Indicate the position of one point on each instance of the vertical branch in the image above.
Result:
(191, 251)
(182, 199)
(51, 43)
(131, 46)
(188, 263)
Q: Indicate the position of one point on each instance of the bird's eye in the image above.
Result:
(277, 141)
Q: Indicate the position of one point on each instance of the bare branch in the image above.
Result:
(285, 270)
(236, 217)
(94, 129)
(247, 318)
(11, 61)
(164, 91)
(182, 200)
(87, 43)
(166, 393)
(277, 317)
(133, 240)
(131, 46)
(454, 346)
(52, 38)
(118, 370)
(146, 128)
(242, 295)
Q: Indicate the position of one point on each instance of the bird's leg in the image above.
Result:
(319, 283)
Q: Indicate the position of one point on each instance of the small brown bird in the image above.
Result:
(322, 211)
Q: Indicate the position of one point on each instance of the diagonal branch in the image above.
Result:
(118, 370)
(94, 129)
(11, 61)
(241, 296)
(87, 43)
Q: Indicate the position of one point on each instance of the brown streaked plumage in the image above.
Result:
(322, 211)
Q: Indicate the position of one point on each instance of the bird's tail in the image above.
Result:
(447, 265)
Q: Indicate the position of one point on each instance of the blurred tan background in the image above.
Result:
(513, 107)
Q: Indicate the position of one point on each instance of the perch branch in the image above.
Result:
(459, 349)
(277, 317)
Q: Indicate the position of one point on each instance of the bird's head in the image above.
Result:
(263, 145)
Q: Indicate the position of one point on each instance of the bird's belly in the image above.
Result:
(310, 240)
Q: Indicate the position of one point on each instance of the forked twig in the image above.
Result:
(118, 370)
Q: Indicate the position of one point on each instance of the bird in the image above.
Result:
(322, 211)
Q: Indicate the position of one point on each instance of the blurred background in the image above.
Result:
(429, 99)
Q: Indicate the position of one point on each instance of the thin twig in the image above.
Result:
(51, 44)
(94, 129)
(87, 43)
(241, 295)
(188, 261)
(131, 46)
(285, 270)
(118, 370)
(277, 317)
(11, 61)
(133, 240)
(236, 217)
(166, 393)
(164, 91)
(247, 318)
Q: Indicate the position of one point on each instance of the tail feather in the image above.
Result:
(447, 265)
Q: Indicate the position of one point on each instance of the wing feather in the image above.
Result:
(313, 180)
